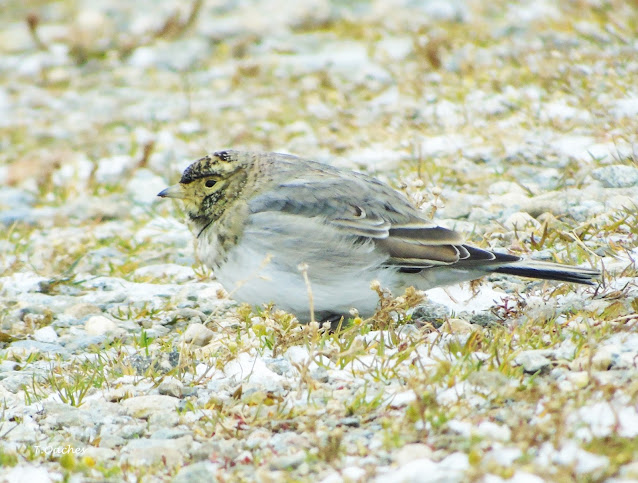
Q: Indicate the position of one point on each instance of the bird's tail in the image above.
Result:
(549, 271)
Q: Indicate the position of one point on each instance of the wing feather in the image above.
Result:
(414, 255)
(424, 232)
(364, 209)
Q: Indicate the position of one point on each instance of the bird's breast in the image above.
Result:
(219, 238)
(210, 249)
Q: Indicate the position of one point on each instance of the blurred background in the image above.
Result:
(537, 91)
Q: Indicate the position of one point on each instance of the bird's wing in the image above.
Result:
(364, 208)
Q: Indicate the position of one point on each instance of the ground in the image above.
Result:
(122, 358)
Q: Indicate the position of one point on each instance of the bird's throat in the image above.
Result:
(215, 205)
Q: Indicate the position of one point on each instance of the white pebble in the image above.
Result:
(494, 431)
(99, 325)
(21, 473)
(520, 221)
(45, 334)
(353, 473)
(198, 334)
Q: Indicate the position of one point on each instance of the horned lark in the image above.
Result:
(271, 225)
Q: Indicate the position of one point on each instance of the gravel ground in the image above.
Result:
(122, 359)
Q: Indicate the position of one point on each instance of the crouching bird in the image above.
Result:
(259, 217)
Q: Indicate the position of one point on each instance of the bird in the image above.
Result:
(311, 238)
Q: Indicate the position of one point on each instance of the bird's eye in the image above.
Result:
(210, 183)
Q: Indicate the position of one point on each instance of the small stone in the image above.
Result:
(112, 441)
(99, 454)
(431, 312)
(131, 430)
(332, 477)
(353, 473)
(80, 343)
(163, 420)
(564, 352)
(617, 378)
(532, 362)
(184, 313)
(493, 431)
(630, 471)
(616, 176)
(625, 360)
(79, 311)
(409, 331)
(411, 452)
(215, 450)
(505, 457)
(520, 221)
(452, 468)
(45, 334)
(485, 319)
(320, 374)
(352, 422)
(147, 452)
(15, 381)
(604, 357)
(170, 433)
(171, 387)
(27, 432)
(402, 399)
(24, 348)
(144, 406)
(579, 364)
(257, 439)
(6, 366)
(578, 379)
(490, 381)
(500, 188)
(279, 366)
(464, 428)
(198, 335)
(457, 326)
(99, 325)
(201, 471)
(32, 474)
(60, 415)
(288, 462)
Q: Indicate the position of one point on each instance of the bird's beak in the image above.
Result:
(175, 191)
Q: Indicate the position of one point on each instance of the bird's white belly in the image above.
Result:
(257, 278)
(263, 267)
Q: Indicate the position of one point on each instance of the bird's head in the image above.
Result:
(209, 185)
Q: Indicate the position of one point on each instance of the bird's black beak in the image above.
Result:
(175, 191)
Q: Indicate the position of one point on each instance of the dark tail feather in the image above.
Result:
(549, 271)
